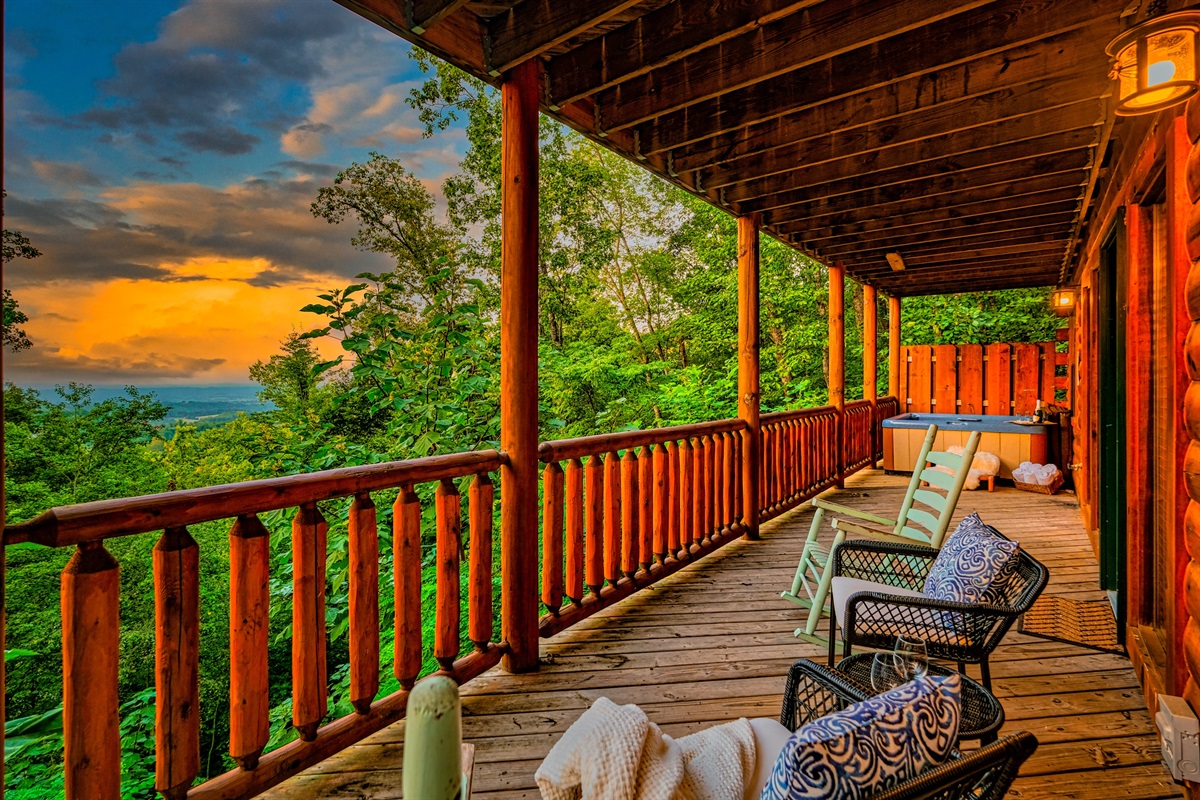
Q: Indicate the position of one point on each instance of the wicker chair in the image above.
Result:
(958, 632)
(813, 691)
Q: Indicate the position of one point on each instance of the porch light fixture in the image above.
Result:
(895, 261)
(1063, 302)
(1155, 63)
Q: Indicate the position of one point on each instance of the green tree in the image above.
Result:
(16, 245)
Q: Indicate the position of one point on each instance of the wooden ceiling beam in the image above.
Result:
(859, 194)
(532, 27)
(896, 227)
(828, 180)
(939, 232)
(1005, 115)
(1040, 244)
(956, 128)
(1048, 253)
(983, 269)
(660, 37)
(870, 221)
(814, 35)
(955, 237)
(949, 287)
(853, 101)
(424, 14)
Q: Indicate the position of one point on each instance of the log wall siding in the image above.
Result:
(981, 379)
(1191, 411)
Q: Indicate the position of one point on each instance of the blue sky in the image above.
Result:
(163, 156)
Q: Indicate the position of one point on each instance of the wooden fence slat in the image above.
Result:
(574, 531)
(902, 380)
(552, 537)
(364, 603)
(970, 379)
(310, 681)
(446, 638)
(406, 549)
(998, 372)
(249, 629)
(1049, 362)
(1026, 370)
(481, 500)
(945, 379)
(176, 566)
(919, 378)
(91, 641)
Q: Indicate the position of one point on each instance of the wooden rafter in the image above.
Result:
(814, 35)
(534, 26)
(1060, 229)
(830, 179)
(424, 14)
(866, 233)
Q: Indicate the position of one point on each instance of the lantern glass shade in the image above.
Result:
(1063, 301)
(1155, 63)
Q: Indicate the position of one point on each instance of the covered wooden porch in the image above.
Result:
(713, 643)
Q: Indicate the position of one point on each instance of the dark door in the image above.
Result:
(1111, 361)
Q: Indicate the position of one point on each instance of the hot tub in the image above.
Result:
(1014, 439)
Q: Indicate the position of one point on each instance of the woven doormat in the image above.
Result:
(1089, 624)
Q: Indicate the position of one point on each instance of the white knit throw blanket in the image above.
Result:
(615, 752)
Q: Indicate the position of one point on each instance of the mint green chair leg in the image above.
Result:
(798, 595)
(433, 742)
(822, 592)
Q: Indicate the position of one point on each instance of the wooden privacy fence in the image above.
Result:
(620, 512)
(1000, 379)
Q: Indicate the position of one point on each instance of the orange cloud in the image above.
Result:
(208, 327)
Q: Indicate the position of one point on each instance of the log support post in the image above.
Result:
(837, 362)
(519, 366)
(870, 359)
(748, 368)
(894, 364)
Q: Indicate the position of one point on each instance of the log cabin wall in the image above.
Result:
(981, 379)
(1149, 195)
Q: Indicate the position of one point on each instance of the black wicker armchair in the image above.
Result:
(959, 632)
(813, 691)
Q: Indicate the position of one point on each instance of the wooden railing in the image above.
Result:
(91, 624)
(631, 508)
(620, 512)
(800, 457)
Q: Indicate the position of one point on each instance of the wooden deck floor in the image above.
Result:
(713, 643)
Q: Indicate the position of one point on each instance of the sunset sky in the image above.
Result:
(163, 156)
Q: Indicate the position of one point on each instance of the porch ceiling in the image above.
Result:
(966, 135)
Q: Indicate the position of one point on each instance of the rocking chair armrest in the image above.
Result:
(957, 631)
(869, 531)
(896, 563)
(852, 512)
(813, 690)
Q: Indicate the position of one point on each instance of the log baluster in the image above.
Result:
(646, 492)
(630, 512)
(593, 532)
(176, 565)
(612, 517)
(481, 498)
(309, 676)
(91, 640)
(729, 470)
(686, 492)
(662, 502)
(764, 472)
(446, 639)
(552, 537)
(717, 473)
(249, 608)
(364, 602)
(674, 489)
(699, 493)
(574, 531)
(406, 547)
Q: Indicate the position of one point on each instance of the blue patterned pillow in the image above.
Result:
(872, 745)
(971, 559)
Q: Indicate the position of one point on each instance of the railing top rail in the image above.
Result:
(104, 519)
(562, 449)
(800, 413)
(858, 404)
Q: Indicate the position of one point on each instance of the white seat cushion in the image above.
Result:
(844, 587)
(769, 739)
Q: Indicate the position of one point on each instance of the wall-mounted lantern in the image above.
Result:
(1155, 63)
(1062, 302)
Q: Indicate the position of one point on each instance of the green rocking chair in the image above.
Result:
(810, 587)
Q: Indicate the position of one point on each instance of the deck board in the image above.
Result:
(714, 641)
